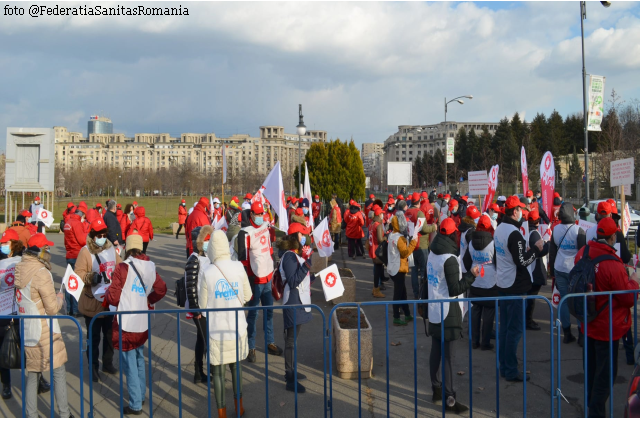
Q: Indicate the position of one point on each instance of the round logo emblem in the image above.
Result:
(8, 279)
(43, 214)
(556, 299)
(326, 238)
(493, 174)
(330, 280)
(263, 240)
(73, 283)
(547, 163)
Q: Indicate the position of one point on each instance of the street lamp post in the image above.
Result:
(301, 129)
(459, 101)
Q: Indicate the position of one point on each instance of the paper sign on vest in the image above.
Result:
(45, 216)
(322, 237)
(72, 283)
(331, 283)
(586, 225)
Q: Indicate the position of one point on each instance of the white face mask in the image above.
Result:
(494, 216)
(519, 216)
(101, 241)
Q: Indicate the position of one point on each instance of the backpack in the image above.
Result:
(582, 280)
(277, 284)
(381, 252)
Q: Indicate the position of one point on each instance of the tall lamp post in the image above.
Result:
(583, 16)
(459, 101)
(301, 129)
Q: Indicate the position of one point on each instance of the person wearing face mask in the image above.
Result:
(316, 208)
(113, 225)
(75, 237)
(143, 226)
(95, 265)
(37, 297)
(493, 212)
(388, 213)
(295, 266)
(125, 219)
(335, 221)
(255, 253)
(35, 206)
(355, 221)
(217, 210)
(182, 216)
(534, 205)
(466, 229)
(19, 226)
(512, 260)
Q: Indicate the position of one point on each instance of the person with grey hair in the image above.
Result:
(113, 225)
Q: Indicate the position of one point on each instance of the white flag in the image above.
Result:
(306, 194)
(45, 216)
(273, 190)
(221, 224)
(322, 237)
(224, 165)
(331, 282)
(555, 296)
(72, 283)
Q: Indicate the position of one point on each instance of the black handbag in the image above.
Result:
(381, 252)
(10, 350)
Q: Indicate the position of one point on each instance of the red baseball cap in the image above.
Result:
(529, 193)
(70, 204)
(377, 210)
(607, 227)
(26, 214)
(235, 199)
(424, 195)
(82, 209)
(447, 196)
(119, 206)
(465, 198)
(391, 201)
(98, 205)
(448, 226)
(484, 223)
(453, 203)
(534, 215)
(513, 202)
(248, 196)
(391, 196)
(296, 227)
(182, 201)
(604, 208)
(37, 198)
(473, 212)
(400, 197)
(494, 207)
(204, 201)
(98, 225)
(39, 240)
(257, 208)
(9, 234)
(439, 195)
(135, 203)
(614, 207)
(317, 197)
(556, 194)
(371, 196)
(288, 198)
(294, 200)
(415, 197)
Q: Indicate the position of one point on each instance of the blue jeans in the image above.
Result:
(420, 265)
(511, 329)
(261, 294)
(562, 283)
(72, 304)
(133, 365)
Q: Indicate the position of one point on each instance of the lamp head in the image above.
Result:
(460, 101)
(470, 96)
(605, 3)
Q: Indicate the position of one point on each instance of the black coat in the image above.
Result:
(539, 272)
(113, 225)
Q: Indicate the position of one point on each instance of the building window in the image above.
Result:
(404, 159)
(410, 138)
(404, 138)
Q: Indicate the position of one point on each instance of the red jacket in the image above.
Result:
(130, 340)
(355, 221)
(142, 224)
(198, 218)
(373, 238)
(428, 210)
(315, 209)
(182, 214)
(67, 212)
(75, 236)
(125, 222)
(610, 276)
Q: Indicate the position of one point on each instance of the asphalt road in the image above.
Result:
(475, 383)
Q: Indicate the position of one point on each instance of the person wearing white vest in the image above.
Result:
(481, 252)
(567, 239)
(36, 296)
(512, 260)
(538, 269)
(95, 265)
(135, 286)
(224, 284)
(445, 281)
(399, 248)
(255, 253)
(295, 263)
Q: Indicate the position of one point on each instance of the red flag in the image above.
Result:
(492, 184)
(547, 181)
(525, 172)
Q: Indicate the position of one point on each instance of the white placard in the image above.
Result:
(331, 282)
(45, 216)
(6, 302)
(621, 172)
(586, 225)
(399, 173)
(477, 183)
(72, 283)
(627, 190)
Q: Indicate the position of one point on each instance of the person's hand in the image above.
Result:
(475, 271)
(306, 252)
(634, 277)
(539, 244)
(197, 316)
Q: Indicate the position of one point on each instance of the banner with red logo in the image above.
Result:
(306, 193)
(273, 190)
(525, 172)
(45, 216)
(331, 282)
(492, 184)
(322, 237)
(72, 283)
(547, 181)
(221, 224)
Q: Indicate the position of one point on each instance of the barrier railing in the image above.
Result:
(610, 295)
(415, 303)
(178, 312)
(50, 319)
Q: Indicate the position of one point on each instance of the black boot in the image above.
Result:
(95, 375)
(580, 339)
(568, 336)
(43, 385)
(454, 406)
(6, 391)
(437, 395)
(291, 385)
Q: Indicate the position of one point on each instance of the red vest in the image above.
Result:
(373, 238)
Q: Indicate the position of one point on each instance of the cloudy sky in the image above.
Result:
(359, 69)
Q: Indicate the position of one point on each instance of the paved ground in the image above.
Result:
(168, 253)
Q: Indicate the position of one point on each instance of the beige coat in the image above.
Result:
(44, 295)
(88, 305)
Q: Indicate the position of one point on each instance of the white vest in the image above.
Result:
(592, 234)
(463, 248)
(506, 268)
(259, 250)
(107, 265)
(437, 286)
(26, 307)
(304, 288)
(480, 257)
(134, 295)
(565, 257)
(7, 272)
(532, 266)
(223, 293)
(393, 254)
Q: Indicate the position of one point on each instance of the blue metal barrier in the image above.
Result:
(610, 295)
(204, 311)
(415, 303)
(21, 318)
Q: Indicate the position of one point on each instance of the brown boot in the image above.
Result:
(376, 293)
(222, 413)
(235, 406)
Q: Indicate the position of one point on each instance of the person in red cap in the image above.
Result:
(36, 296)
(255, 253)
(335, 222)
(199, 218)
(355, 221)
(316, 207)
(99, 209)
(75, 238)
(95, 265)
(388, 213)
(135, 205)
(538, 270)
(446, 281)
(400, 197)
(413, 215)
(19, 226)
(611, 275)
(495, 213)
(566, 241)
(466, 228)
(376, 237)
(608, 209)
(453, 212)
(33, 228)
(143, 226)
(534, 205)
(481, 252)
(69, 210)
(182, 216)
(512, 260)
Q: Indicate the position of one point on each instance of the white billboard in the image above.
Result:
(399, 173)
(477, 183)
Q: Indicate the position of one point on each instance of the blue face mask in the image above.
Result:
(6, 249)
(258, 220)
(205, 246)
(305, 210)
(101, 241)
(303, 240)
